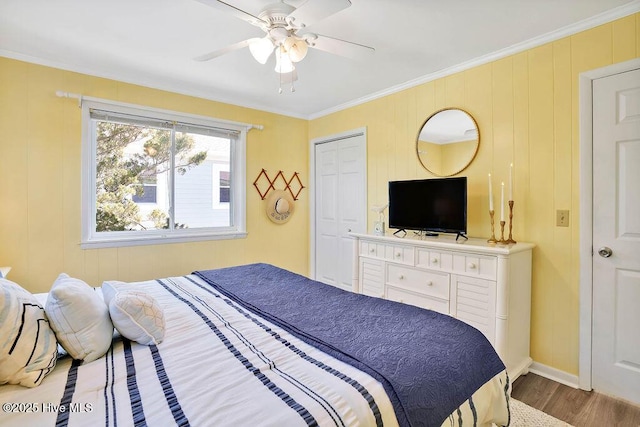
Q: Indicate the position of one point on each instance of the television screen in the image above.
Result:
(438, 205)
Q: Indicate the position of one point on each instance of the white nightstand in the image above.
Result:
(4, 271)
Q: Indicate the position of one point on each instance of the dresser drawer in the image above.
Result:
(424, 282)
(400, 254)
(434, 259)
(476, 266)
(372, 277)
(474, 302)
(412, 298)
(371, 249)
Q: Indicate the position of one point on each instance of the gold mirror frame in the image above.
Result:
(448, 142)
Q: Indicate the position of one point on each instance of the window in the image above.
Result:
(155, 176)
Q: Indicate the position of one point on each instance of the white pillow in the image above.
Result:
(137, 316)
(28, 346)
(109, 289)
(80, 318)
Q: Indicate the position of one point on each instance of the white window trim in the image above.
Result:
(91, 239)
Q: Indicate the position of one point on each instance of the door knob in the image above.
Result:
(605, 252)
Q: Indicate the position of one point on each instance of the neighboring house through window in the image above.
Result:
(225, 189)
(146, 190)
(156, 176)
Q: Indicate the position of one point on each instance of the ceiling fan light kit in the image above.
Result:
(261, 49)
(281, 23)
(296, 48)
(283, 61)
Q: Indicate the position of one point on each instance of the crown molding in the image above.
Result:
(586, 24)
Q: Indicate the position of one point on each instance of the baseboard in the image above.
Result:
(554, 374)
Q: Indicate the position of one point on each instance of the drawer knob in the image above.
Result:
(429, 283)
(381, 295)
(372, 250)
(435, 260)
(401, 276)
(472, 265)
(398, 254)
(401, 300)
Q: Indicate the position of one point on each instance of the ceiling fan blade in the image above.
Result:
(315, 10)
(225, 50)
(339, 47)
(238, 13)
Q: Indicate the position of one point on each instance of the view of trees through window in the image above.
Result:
(135, 188)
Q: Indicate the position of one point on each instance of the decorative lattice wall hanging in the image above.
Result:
(293, 185)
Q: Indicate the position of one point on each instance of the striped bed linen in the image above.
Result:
(218, 365)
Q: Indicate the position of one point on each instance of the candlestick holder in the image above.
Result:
(502, 223)
(492, 239)
(510, 239)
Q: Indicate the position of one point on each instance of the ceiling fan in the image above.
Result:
(284, 27)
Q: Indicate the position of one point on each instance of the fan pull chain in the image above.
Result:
(293, 88)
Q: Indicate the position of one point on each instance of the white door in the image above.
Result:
(616, 235)
(340, 206)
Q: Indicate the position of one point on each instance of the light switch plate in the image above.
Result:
(562, 218)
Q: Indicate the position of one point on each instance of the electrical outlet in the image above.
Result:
(562, 218)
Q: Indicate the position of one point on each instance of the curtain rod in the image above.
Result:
(80, 98)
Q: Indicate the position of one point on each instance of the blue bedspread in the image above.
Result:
(428, 363)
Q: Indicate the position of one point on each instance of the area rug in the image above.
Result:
(523, 415)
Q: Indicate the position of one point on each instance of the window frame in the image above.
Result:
(91, 239)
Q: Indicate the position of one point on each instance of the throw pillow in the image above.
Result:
(28, 346)
(137, 316)
(79, 318)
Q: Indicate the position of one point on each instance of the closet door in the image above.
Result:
(340, 206)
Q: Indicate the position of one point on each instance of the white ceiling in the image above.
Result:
(153, 43)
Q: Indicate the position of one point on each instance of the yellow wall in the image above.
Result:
(526, 106)
(40, 184)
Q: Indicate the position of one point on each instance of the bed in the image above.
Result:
(258, 345)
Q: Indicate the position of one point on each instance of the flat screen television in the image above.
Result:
(436, 205)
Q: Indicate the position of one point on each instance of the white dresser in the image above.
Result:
(486, 286)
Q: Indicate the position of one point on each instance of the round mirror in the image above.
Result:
(448, 142)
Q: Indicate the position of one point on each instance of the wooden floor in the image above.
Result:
(577, 407)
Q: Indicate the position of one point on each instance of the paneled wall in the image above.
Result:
(40, 184)
(526, 106)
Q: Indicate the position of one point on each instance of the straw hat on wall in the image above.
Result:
(280, 206)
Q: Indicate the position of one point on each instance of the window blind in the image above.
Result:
(131, 119)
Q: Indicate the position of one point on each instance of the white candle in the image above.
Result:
(511, 182)
(490, 194)
(502, 203)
